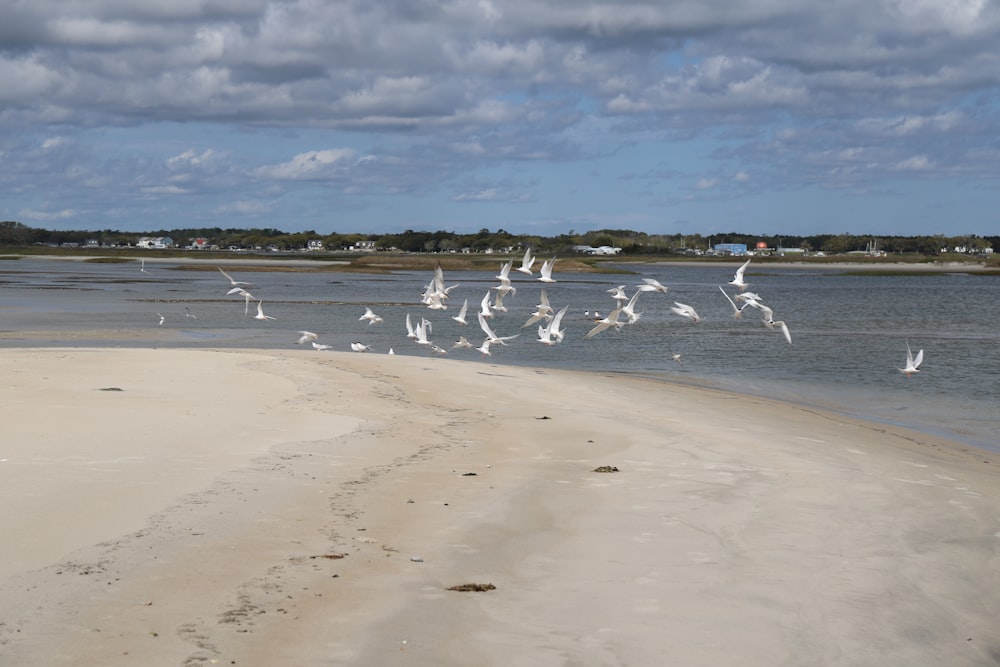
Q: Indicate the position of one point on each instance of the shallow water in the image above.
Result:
(849, 333)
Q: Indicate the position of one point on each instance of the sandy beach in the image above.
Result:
(197, 507)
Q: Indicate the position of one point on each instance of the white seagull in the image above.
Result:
(685, 310)
(769, 320)
(142, 266)
(161, 320)
(461, 343)
(234, 283)
(370, 316)
(610, 321)
(260, 312)
(546, 271)
(737, 310)
(550, 334)
(771, 324)
(543, 311)
(188, 313)
(360, 347)
(652, 285)
(737, 280)
(491, 336)
(421, 331)
(247, 296)
(319, 347)
(618, 294)
(306, 336)
(484, 306)
(629, 308)
(526, 262)
(460, 318)
(912, 362)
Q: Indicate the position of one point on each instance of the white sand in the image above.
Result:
(264, 508)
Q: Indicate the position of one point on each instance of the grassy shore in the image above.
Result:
(384, 262)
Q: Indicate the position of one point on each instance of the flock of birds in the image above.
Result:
(548, 320)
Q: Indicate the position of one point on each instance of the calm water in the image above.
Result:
(849, 333)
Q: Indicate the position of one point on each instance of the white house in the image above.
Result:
(154, 242)
(600, 250)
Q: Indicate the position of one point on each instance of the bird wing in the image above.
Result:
(484, 325)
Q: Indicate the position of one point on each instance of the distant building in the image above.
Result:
(599, 250)
(314, 245)
(730, 248)
(158, 242)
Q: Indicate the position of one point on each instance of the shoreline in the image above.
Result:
(340, 495)
(479, 263)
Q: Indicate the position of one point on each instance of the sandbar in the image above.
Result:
(261, 507)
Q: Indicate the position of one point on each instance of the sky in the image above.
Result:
(541, 118)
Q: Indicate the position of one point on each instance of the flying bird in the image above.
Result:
(306, 336)
(546, 271)
(912, 362)
(370, 316)
(737, 310)
(551, 334)
(652, 285)
(460, 318)
(543, 311)
(491, 336)
(526, 262)
(629, 308)
(737, 280)
(685, 310)
(461, 343)
(610, 321)
(260, 312)
(233, 282)
(247, 296)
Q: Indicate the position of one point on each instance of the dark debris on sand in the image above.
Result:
(475, 588)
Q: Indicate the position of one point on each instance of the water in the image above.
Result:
(849, 333)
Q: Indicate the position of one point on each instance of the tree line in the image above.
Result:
(13, 234)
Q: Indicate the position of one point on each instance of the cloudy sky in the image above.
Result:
(690, 116)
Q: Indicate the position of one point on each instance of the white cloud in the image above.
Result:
(46, 216)
(310, 165)
(915, 163)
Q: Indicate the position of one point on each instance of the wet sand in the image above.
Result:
(188, 507)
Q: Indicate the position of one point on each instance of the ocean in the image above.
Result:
(849, 332)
